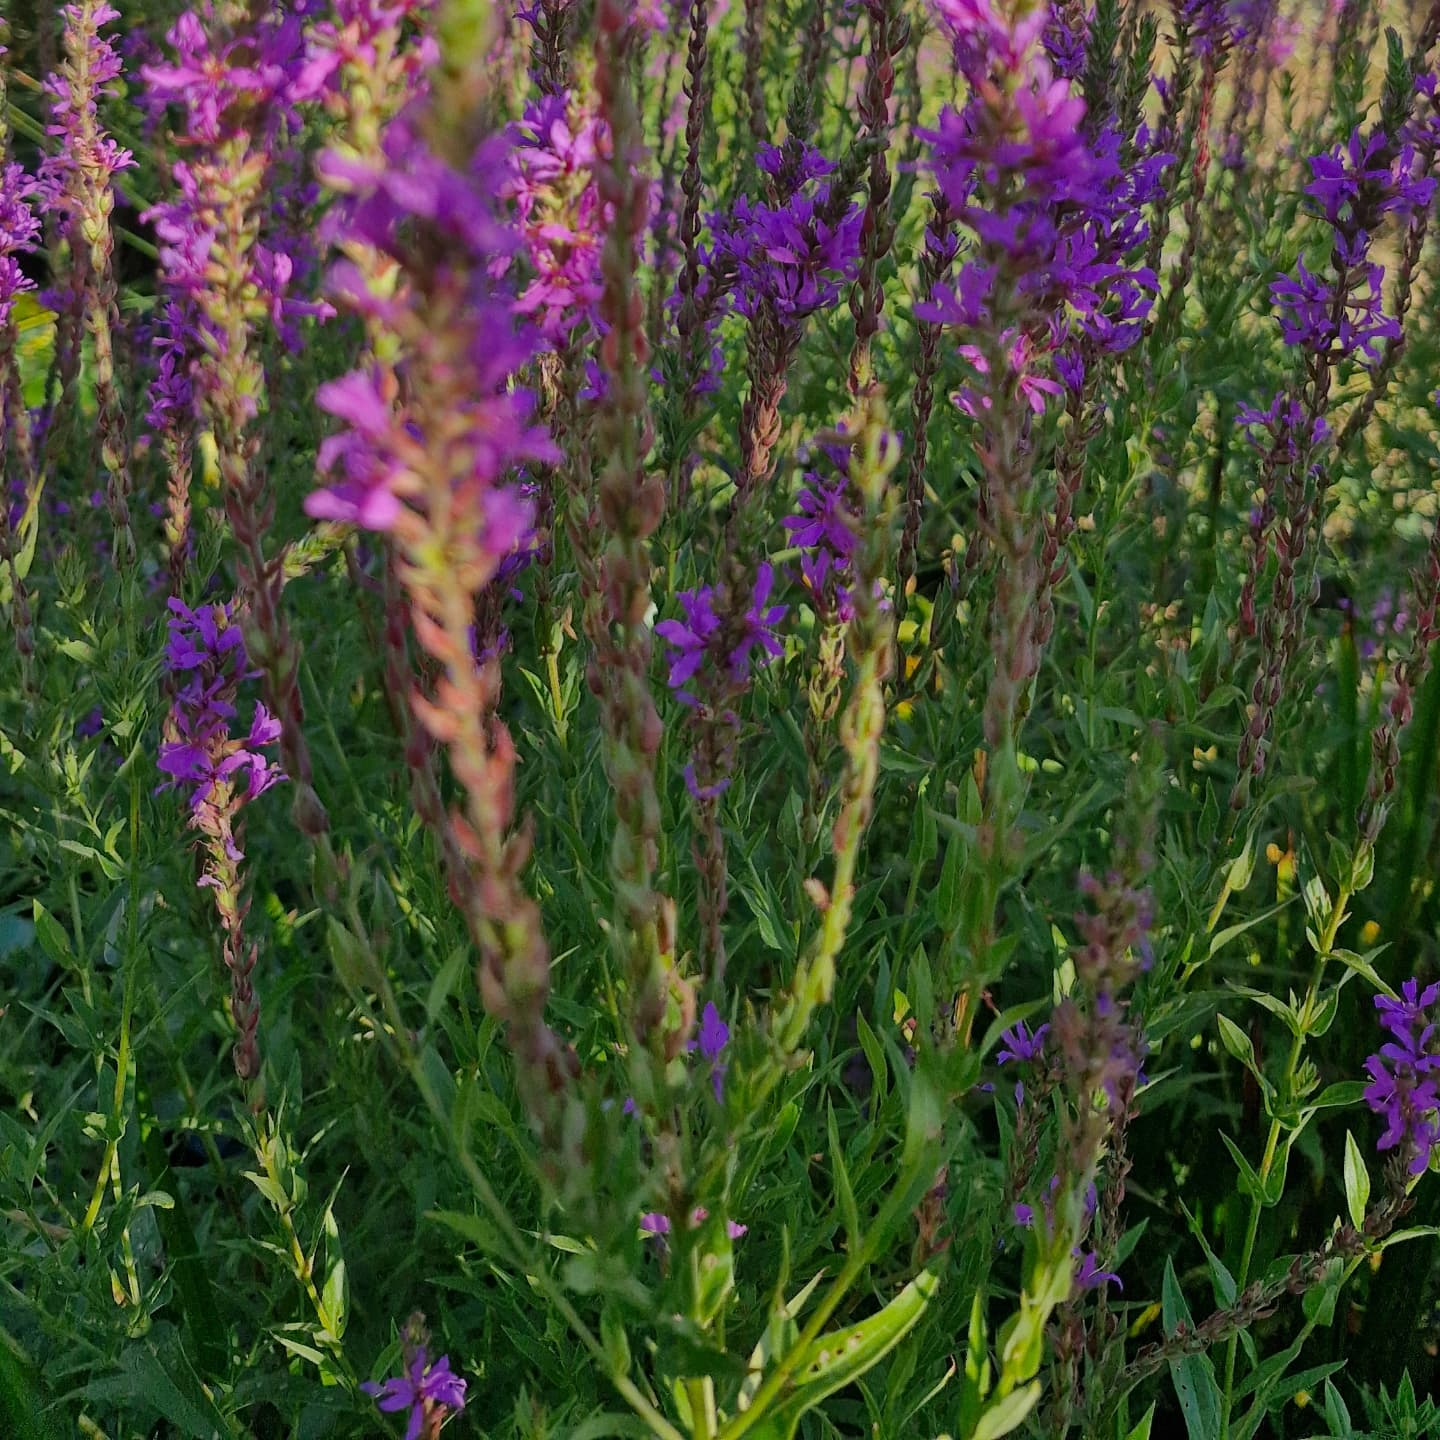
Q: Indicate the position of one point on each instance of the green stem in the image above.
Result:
(1323, 952)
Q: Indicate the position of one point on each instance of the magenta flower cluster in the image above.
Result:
(555, 149)
(704, 649)
(205, 653)
(377, 462)
(1339, 313)
(793, 252)
(1404, 1087)
(75, 92)
(1056, 217)
(19, 230)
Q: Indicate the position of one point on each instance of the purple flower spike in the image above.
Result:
(205, 646)
(425, 1390)
(1404, 1087)
(714, 1036)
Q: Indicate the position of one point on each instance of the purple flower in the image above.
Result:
(713, 1037)
(1404, 1074)
(690, 639)
(424, 1389)
(1354, 187)
(1020, 1045)
(790, 254)
(556, 148)
(1089, 1275)
(19, 229)
(655, 1222)
(1314, 318)
(704, 637)
(87, 159)
(1056, 218)
(440, 224)
(199, 754)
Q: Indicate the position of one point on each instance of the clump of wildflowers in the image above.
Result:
(427, 454)
(785, 257)
(220, 773)
(235, 85)
(19, 230)
(1405, 1073)
(79, 184)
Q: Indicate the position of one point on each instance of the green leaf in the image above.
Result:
(948, 896)
(1222, 938)
(1141, 1429)
(844, 1193)
(475, 1228)
(1249, 1180)
(1193, 1375)
(445, 982)
(22, 1407)
(269, 1189)
(1007, 1412)
(615, 1340)
(52, 937)
(1238, 1043)
(1319, 1303)
(1237, 878)
(1357, 1182)
(169, 1384)
(838, 1359)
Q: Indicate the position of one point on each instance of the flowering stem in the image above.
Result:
(631, 504)
(863, 722)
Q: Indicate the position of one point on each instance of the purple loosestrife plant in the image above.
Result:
(1328, 318)
(555, 151)
(171, 419)
(219, 773)
(235, 89)
(19, 231)
(824, 531)
(1018, 170)
(712, 654)
(788, 256)
(79, 183)
(426, 454)
(628, 509)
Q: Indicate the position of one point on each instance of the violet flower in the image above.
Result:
(552, 162)
(429, 1392)
(218, 771)
(87, 157)
(790, 254)
(1405, 1074)
(710, 1042)
(824, 531)
(19, 230)
(1021, 1046)
(702, 646)
(656, 1222)
(1341, 313)
(1089, 1275)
